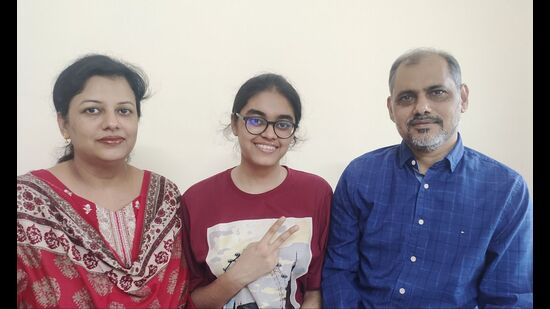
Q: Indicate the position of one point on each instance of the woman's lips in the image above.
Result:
(111, 140)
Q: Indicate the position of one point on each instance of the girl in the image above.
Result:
(258, 231)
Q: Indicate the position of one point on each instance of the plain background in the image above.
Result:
(337, 54)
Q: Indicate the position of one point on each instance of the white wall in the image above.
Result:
(336, 53)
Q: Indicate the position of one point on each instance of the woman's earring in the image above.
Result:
(67, 140)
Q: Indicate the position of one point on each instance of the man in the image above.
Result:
(429, 223)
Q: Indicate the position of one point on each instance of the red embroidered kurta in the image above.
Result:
(72, 254)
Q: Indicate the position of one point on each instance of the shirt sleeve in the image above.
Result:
(339, 287)
(508, 277)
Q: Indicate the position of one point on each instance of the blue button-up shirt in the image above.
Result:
(460, 236)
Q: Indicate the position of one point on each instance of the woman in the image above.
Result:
(93, 230)
(258, 231)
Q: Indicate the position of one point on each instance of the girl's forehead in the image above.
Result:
(269, 103)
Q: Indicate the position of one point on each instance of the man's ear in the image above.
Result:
(390, 111)
(464, 92)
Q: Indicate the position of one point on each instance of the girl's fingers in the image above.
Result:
(272, 230)
(284, 236)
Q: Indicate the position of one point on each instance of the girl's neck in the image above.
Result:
(258, 180)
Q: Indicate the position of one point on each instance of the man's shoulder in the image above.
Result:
(376, 156)
(371, 163)
(484, 162)
(486, 166)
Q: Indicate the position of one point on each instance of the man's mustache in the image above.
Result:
(423, 119)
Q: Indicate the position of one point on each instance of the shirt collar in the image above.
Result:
(453, 157)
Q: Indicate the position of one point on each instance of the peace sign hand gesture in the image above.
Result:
(260, 257)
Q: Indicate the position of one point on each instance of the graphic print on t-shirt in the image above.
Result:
(226, 241)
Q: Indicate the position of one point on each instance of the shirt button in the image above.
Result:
(421, 221)
(413, 258)
(426, 186)
(413, 162)
(401, 291)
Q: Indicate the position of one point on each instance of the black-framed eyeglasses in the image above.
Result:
(257, 125)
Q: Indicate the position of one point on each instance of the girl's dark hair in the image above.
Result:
(72, 80)
(268, 81)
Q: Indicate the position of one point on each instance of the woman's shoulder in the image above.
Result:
(34, 178)
(25, 181)
(155, 178)
(25, 177)
(34, 190)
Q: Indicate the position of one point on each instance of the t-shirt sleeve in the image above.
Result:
(199, 274)
(320, 237)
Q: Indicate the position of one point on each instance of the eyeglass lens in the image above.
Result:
(257, 125)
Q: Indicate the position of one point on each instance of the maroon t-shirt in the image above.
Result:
(222, 220)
